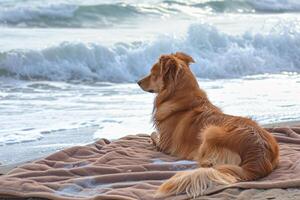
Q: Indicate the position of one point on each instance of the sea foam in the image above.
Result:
(217, 55)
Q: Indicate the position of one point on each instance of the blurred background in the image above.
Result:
(68, 68)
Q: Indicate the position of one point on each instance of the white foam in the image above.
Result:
(19, 136)
(217, 55)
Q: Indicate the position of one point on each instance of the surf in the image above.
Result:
(75, 14)
(217, 54)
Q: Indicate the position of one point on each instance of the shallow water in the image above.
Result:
(43, 115)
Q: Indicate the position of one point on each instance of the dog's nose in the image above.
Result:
(139, 82)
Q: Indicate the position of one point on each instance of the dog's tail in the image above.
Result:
(197, 182)
(254, 164)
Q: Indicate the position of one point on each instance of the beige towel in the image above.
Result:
(132, 168)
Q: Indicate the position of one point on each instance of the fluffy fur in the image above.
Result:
(228, 148)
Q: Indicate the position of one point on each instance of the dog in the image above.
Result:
(228, 148)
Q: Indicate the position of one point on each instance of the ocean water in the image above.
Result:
(68, 68)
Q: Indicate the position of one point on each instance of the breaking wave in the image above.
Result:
(72, 14)
(67, 15)
(246, 6)
(217, 55)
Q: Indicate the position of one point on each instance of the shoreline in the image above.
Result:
(4, 169)
(276, 124)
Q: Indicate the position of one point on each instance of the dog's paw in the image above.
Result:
(154, 138)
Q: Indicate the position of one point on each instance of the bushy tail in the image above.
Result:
(195, 182)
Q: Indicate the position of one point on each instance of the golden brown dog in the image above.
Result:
(228, 148)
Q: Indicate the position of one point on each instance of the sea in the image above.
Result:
(68, 68)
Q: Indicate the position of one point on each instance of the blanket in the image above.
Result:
(132, 168)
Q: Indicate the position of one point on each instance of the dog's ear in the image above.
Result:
(169, 67)
(184, 57)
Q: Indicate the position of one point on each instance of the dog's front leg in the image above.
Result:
(155, 139)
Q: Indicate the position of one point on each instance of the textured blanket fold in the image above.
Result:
(131, 168)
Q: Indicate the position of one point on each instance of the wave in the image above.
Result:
(217, 55)
(250, 6)
(68, 15)
(275, 6)
(63, 14)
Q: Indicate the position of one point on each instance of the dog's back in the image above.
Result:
(228, 148)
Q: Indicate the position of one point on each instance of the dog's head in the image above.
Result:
(166, 72)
